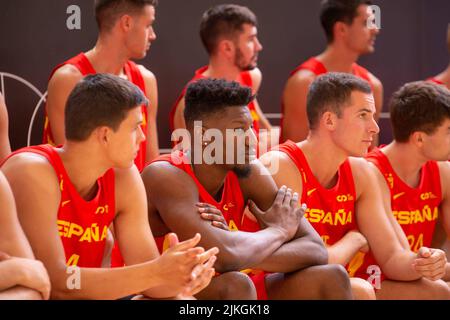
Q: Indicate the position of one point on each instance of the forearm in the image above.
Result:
(106, 283)
(400, 266)
(295, 255)
(152, 144)
(244, 250)
(344, 250)
(20, 293)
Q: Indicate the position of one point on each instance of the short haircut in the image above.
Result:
(206, 97)
(331, 92)
(108, 11)
(418, 106)
(333, 11)
(225, 20)
(99, 100)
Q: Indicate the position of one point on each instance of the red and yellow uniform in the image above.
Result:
(82, 63)
(330, 211)
(317, 67)
(415, 209)
(231, 205)
(245, 79)
(82, 225)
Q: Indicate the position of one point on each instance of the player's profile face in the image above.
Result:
(356, 128)
(142, 33)
(436, 146)
(360, 38)
(247, 48)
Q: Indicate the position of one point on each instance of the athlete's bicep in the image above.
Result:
(174, 195)
(444, 169)
(59, 88)
(37, 193)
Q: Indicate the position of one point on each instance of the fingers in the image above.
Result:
(254, 209)
(287, 198)
(424, 252)
(173, 239)
(208, 254)
(220, 225)
(185, 245)
(294, 200)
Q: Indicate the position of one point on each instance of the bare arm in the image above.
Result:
(295, 120)
(21, 276)
(174, 195)
(256, 80)
(178, 120)
(377, 94)
(151, 87)
(396, 262)
(306, 249)
(36, 189)
(444, 169)
(59, 88)
(5, 147)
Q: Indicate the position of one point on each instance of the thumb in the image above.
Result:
(254, 209)
(173, 240)
(424, 252)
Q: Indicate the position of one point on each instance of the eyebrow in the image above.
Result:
(364, 110)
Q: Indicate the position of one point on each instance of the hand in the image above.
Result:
(211, 213)
(284, 214)
(430, 263)
(31, 274)
(178, 266)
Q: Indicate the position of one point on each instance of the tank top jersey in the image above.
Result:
(132, 72)
(330, 211)
(245, 79)
(318, 68)
(415, 209)
(231, 205)
(82, 225)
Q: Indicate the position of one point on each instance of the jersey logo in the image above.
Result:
(65, 203)
(398, 195)
(427, 196)
(344, 198)
(310, 192)
(228, 206)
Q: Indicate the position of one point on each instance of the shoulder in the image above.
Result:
(301, 78)
(256, 76)
(66, 72)
(364, 174)
(29, 170)
(147, 74)
(377, 85)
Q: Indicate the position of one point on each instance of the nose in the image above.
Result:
(374, 127)
(259, 46)
(141, 136)
(152, 35)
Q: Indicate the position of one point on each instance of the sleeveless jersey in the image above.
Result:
(317, 67)
(82, 225)
(330, 211)
(245, 79)
(415, 209)
(134, 75)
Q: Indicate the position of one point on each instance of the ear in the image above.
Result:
(226, 48)
(340, 29)
(126, 22)
(329, 120)
(103, 135)
(418, 138)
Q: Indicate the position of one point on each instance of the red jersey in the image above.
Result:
(245, 79)
(82, 225)
(415, 209)
(317, 67)
(330, 211)
(231, 205)
(82, 63)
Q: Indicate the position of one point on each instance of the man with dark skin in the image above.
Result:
(281, 242)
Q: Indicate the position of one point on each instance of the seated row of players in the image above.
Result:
(68, 197)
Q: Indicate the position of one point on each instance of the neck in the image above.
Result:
(338, 58)
(220, 69)
(83, 166)
(406, 161)
(108, 56)
(211, 177)
(324, 164)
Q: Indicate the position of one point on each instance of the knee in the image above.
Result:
(334, 282)
(237, 286)
(440, 290)
(362, 290)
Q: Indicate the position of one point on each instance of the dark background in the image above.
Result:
(34, 38)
